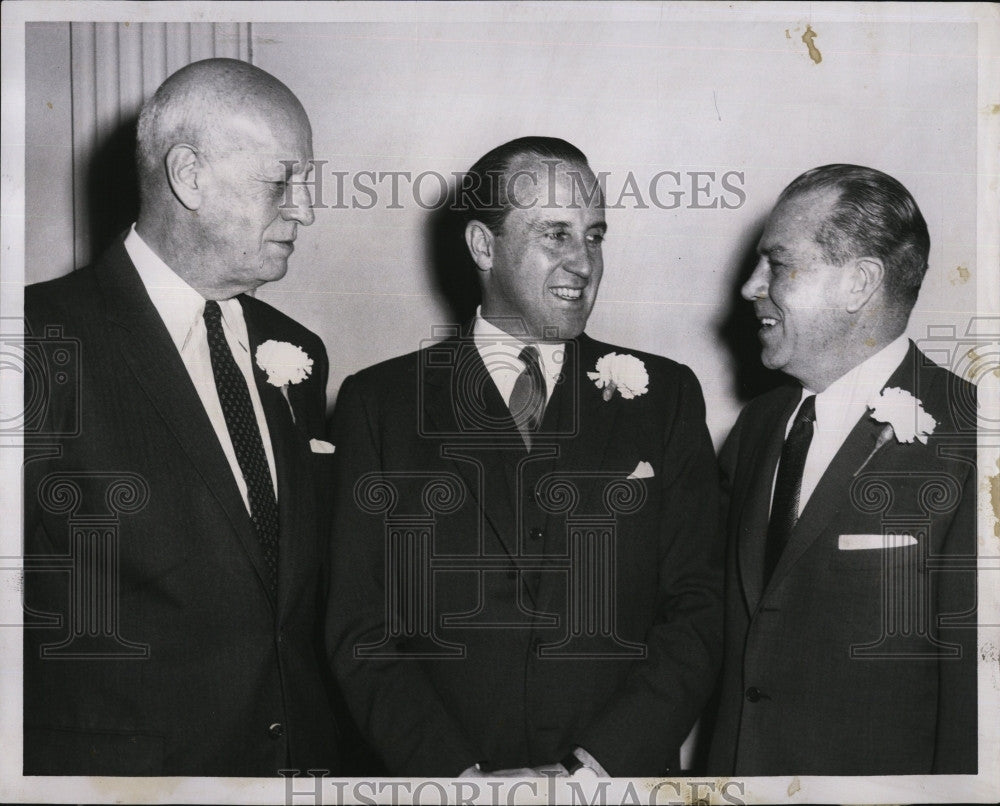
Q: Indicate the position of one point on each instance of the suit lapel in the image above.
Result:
(581, 420)
(754, 500)
(463, 405)
(832, 493)
(148, 351)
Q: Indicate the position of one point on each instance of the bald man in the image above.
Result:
(172, 534)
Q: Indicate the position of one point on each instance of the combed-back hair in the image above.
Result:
(874, 216)
(484, 193)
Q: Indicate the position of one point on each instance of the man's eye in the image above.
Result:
(596, 238)
(557, 235)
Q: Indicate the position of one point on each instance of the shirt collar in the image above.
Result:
(494, 343)
(179, 305)
(839, 403)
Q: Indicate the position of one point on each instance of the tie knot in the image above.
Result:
(807, 411)
(213, 313)
(529, 356)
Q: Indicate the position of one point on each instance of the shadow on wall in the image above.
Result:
(738, 328)
(112, 189)
(453, 274)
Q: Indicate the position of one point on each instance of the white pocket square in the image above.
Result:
(860, 542)
(320, 446)
(643, 470)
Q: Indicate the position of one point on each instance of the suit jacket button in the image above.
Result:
(753, 694)
(536, 533)
(276, 730)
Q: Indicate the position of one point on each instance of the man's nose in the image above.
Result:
(580, 261)
(756, 286)
(300, 208)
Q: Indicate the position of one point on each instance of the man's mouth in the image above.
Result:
(768, 321)
(566, 293)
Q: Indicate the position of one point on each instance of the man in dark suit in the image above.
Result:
(526, 564)
(850, 581)
(172, 533)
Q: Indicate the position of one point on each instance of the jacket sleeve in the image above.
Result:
(642, 728)
(392, 700)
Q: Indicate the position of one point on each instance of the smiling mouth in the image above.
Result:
(768, 321)
(566, 293)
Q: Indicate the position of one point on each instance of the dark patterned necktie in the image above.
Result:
(788, 485)
(527, 399)
(245, 435)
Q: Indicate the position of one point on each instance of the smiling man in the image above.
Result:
(850, 603)
(526, 559)
(183, 642)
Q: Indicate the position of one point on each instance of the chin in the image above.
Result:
(271, 272)
(571, 327)
(770, 361)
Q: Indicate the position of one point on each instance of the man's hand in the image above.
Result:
(578, 764)
(515, 772)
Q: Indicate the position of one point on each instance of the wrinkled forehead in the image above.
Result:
(797, 218)
(272, 135)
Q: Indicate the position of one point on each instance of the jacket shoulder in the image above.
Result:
(69, 291)
(394, 375)
(72, 303)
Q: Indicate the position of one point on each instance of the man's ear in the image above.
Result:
(867, 277)
(184, 169)
(479, 238)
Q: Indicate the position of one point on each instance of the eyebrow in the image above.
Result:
(548, 223)
(774, 251)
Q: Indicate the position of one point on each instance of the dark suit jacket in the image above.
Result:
(854, 662)
(460, 652)
(195, 669)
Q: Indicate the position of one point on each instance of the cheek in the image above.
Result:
(597, 270)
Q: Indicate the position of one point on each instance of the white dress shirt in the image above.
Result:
(500, 353)
(182, 310)
(838, 409)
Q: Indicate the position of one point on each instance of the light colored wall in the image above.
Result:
(669, 93)
(48, 153)
(682, 96)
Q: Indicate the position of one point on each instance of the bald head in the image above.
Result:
(199, 104)
(223, 153)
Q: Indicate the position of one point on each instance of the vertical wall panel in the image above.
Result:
(48, 152)
(115, 67)
(83, 48)
(154, 55)
(131, 68)
(178, 46)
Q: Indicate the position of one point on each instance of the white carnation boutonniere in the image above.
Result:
(904, 416)
(623, 372)
(285, 364)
